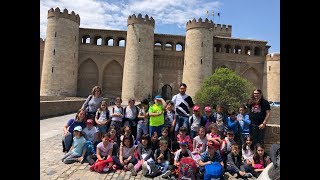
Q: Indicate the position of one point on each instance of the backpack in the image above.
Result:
(100, 164)
(90, 148)
(213, 170)
(187, 168)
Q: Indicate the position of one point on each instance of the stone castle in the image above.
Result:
(139, 63)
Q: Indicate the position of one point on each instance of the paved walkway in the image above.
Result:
(51, 166)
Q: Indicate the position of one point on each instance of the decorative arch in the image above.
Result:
(158, 45)
(85, 39)
(166, 92)
(112, 80)
(179, 46)
(257, 51)
(224, 66)
(168, 46)
(252, 75)
(87, 77)
(228, 48)
(217, 48)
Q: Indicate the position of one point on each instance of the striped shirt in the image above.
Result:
(182, 104)
(205, 157)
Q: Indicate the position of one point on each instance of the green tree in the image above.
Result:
(224, 87)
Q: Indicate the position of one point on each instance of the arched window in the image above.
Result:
(179, 47)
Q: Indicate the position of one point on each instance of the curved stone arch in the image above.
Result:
(168, 46)
(121, 41)
(237, 49)
(97, 40)
(88, 75)
(158, 45)
(85, 39)
(112, 79)
(166, 92)
(224, 66)
(228, 48)
(107, 39)
(179, 46)
(217, 47)
(252, 75)
(257, 51)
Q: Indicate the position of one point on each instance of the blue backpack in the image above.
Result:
(90, 148)
(213, 170)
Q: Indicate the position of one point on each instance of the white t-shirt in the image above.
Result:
(117, 110)
(201, 144)
(104, 150)
(90, 133)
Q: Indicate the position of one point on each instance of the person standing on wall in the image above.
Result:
(259, 113)
(93, 102)
(183, 103)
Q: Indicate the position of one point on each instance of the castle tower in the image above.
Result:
(138, 64)
(271, 80)
(60, 61)
(198, 54)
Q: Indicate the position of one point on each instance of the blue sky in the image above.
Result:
(250, 19)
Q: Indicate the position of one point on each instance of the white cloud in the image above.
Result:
(113, 14)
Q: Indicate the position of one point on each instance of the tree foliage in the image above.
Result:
(224, 87)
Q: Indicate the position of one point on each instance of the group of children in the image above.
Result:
(213, 137)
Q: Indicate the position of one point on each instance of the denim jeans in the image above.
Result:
(153, 129)
(181, 121)
(141, 129)
(67, 141)
(164, 165)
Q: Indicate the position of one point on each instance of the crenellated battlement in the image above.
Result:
(222, 30)
(273, 57)
(56, 13)
(140, 20)
(199, 24)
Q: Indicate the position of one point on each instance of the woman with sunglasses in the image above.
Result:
(93, 102)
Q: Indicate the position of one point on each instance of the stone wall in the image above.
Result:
(272, 136)
(59, 107)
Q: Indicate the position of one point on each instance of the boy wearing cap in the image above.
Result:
(156, 113)
(195, 121)
(209, 156)
(77, 150)
(208, 118)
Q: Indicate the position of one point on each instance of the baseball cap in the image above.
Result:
(212, 144)
(89, 121)
(183, 143)
(207, 108)
(157, 96)
(196, 108)
(78, 128)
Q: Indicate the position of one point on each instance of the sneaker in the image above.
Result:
(166, 174)
(248, 175)
(105, 169)
(154, 168)
(144, 170)
(131, 168)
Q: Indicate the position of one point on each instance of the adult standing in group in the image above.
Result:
(79, 120)
(259, 113)
(93, 102)
(183, 103)
(156, 114)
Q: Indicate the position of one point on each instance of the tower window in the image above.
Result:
(201, 44)
(139, 40)
(52, 69)
(201, 61)
(55, 34)
(54, 52)
(269, 68)
(75, 38)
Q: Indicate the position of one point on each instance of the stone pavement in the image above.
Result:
(51, 166)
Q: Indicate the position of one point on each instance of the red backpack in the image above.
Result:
(100, 164)
(187, 168)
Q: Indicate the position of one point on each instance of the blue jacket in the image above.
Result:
(233, 125)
